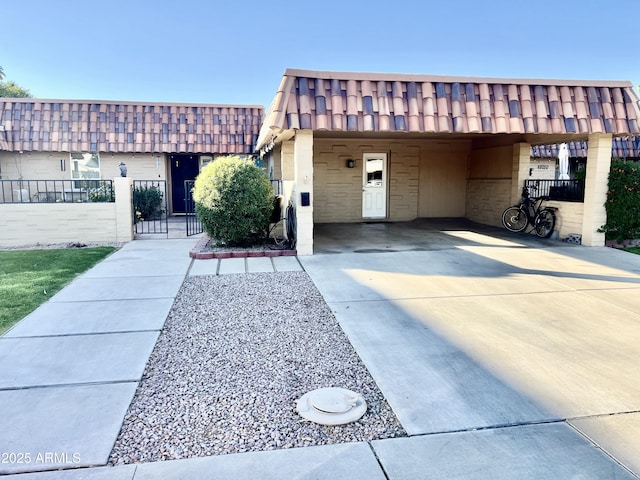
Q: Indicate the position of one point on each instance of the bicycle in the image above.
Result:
(530, 212)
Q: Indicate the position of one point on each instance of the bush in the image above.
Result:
(147, 203)
(623, 202)
(102, 193)
(234, 201)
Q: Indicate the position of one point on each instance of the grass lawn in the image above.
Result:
(635, 250)
(30, 277)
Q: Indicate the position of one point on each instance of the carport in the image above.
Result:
(423, 234)
(365, 147)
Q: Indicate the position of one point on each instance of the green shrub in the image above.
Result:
(147, 203)
(102, 192)
(234, 200)
(623, 202)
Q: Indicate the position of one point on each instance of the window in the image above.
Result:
(205, 160)
(84, 166)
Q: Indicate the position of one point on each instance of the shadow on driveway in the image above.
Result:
(475, 333)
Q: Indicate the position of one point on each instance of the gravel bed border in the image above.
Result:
(205, 249)
(235, 354)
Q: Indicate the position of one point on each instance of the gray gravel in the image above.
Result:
(235, 354)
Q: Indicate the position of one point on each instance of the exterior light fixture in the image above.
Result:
(351, 163)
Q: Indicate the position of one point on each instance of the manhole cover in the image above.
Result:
(331, 406)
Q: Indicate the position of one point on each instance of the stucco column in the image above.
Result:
(123, 190)
(286, 157)
(595, 189)
(303, 174)
(520, 171)
(286, 169)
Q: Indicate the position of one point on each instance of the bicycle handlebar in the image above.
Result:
(525, 194)
(525, 191)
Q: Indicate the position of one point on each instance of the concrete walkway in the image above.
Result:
(70, 369)
(500, 360)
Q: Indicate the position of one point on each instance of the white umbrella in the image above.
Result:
(563, 161)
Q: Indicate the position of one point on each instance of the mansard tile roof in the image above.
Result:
(31, 124)
(370, 102)
(622, 147)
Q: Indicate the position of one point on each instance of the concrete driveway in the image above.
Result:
(497, 352)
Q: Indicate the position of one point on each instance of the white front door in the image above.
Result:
(374, 185)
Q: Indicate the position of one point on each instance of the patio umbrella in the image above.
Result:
(563, 161)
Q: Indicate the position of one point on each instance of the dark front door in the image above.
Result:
(184, 166)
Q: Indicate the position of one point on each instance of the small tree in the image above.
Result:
(13, 90)
(623, 201)
(234, 201)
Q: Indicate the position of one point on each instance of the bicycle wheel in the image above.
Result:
(544, 222)
(514, 219)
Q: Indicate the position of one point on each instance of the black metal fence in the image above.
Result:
(562, 190)
(150, 206)
(194, 226)
(56, 191)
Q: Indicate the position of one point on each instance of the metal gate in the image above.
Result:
(150, 213)
(194, 227)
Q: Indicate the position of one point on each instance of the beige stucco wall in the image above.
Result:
(443, 179)
(46, 166)
(338, 189)
(543, 168)
(569, 217)
(489, 184)
(44, 223)
(33, 166)
(487, 199)
(139, 166)
(493, 162)
(425, 178)
(29, 224)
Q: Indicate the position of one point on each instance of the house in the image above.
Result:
(543, 157)
(86, 139)
(347, 147)
(353, 147)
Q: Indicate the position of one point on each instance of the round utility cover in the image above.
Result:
(331, 406)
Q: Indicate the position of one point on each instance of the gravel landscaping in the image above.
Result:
(235, 354)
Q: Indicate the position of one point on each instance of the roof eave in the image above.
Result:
(401, 77)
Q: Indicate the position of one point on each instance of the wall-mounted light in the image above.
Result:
(351, 163)
(63, 167)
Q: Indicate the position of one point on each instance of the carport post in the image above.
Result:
(520, 173)
(303, 172)
(595, 188)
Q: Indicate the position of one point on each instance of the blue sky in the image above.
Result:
(235, 52)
